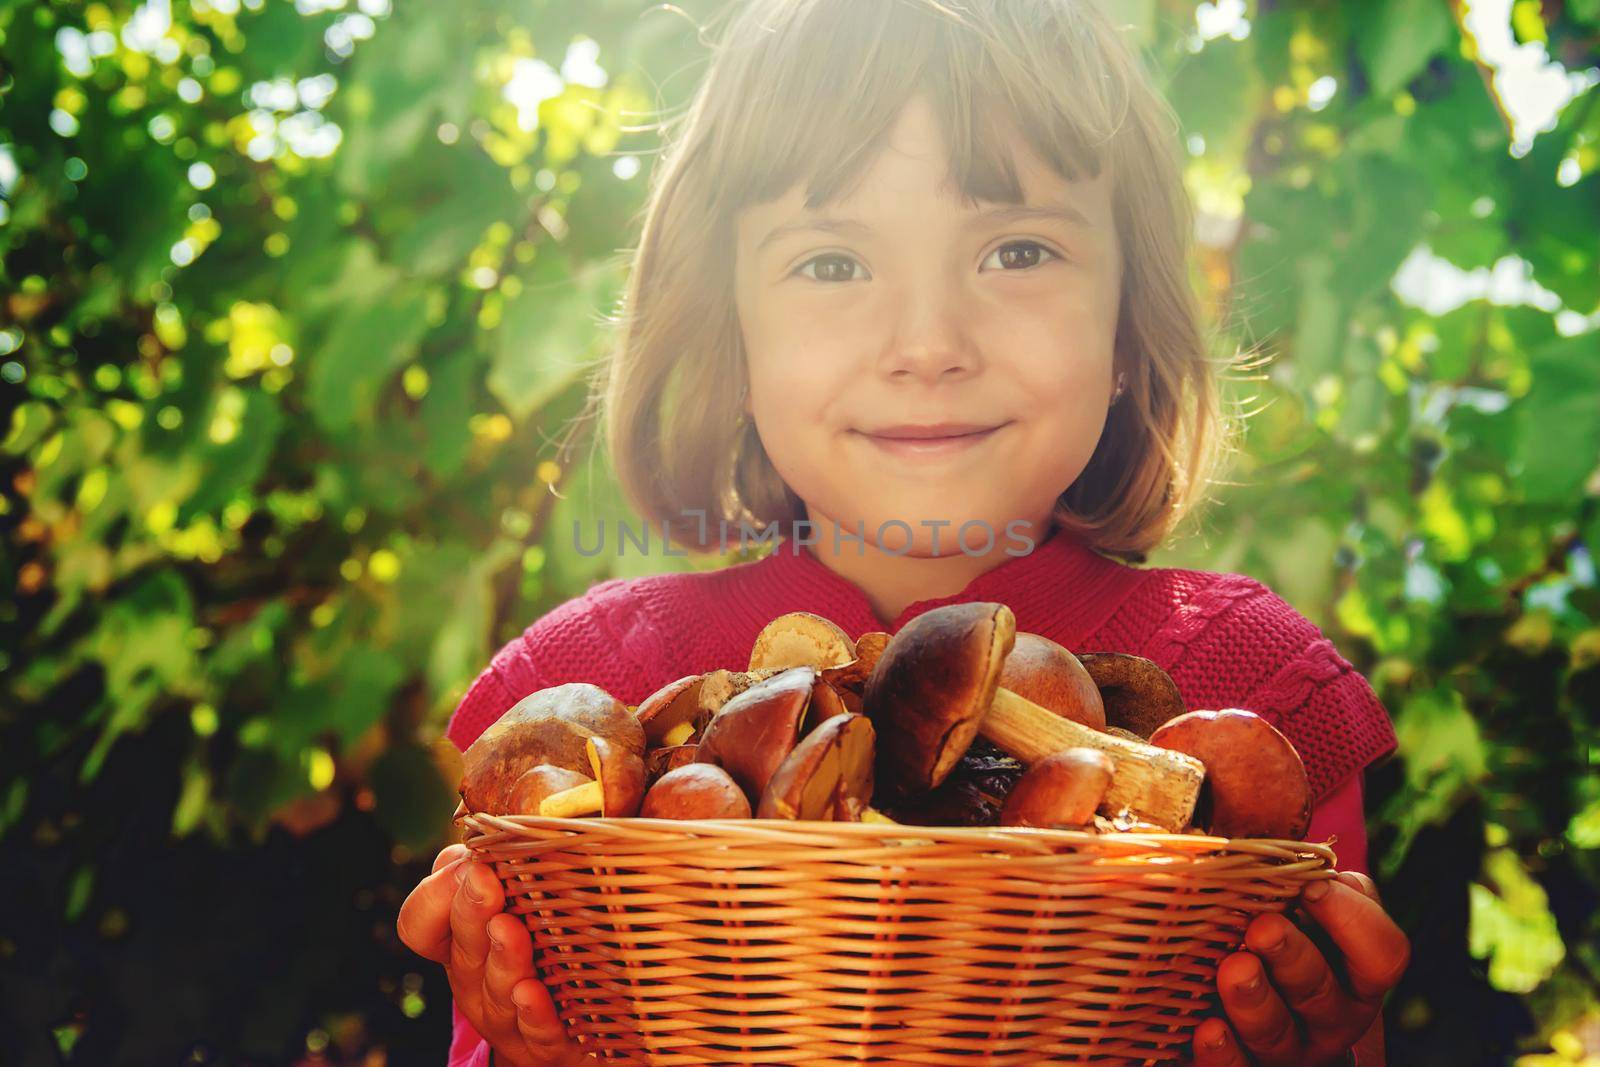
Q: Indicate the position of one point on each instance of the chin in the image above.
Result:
(921, 542)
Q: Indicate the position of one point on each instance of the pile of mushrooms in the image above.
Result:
(958, 719)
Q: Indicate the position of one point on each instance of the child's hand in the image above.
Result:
(488, 957)
(1308, 1010)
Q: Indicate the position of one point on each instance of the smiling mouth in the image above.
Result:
(922, 446)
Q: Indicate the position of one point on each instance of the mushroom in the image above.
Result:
(801, 639)
(660, 760)
(1138, 695)
(1063, 789)
(695, 791)
(1256, 784)
(677, 712)
(756, 730)
(536, 783)
(851, 678)
(549, 726)
(826, 703)
(671, 708)
(937, 685)
(616, 790)
(972, 795)
(828, 775)
(1044, 672)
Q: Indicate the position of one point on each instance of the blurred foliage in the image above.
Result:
(298, 296)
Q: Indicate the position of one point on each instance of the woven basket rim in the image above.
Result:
(1038, 840)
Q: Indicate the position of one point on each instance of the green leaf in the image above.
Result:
(1218, 94)
(1398, 37)
(543, 337)
(461, 640)
(1513, 928)
(354, 694)
(412, 802)
(365, 345)
(1559, 420)
(241, 461)
(1320, 331)
(29, 422)
(447, 435)
(1445, 759)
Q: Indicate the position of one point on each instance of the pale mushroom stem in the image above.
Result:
(585, 799)
(1161, 786)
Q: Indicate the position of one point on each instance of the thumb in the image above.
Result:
(424, 920)
(1361, 883)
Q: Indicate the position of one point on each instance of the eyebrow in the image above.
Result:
(1059, 213)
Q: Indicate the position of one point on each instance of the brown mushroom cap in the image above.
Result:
(931, 687)
(672, 705)
(851, 678)
(536, 783)
(1063, 789)
(801, 639)
(827, 776)
(1255, 784)
(695, 791)
(1040, 670)
(1137, 694)
(756, 730)
(659, 761)
(826, 703)
(720, 686)
(621, 777)
(615, 792)
(546, 727)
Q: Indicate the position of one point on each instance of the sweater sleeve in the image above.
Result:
(577, 641)
(1341, 816)
(467, 1047)
(1232, 642)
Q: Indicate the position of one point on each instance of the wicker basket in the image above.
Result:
(761, 941)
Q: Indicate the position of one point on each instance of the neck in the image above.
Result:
(892, 581)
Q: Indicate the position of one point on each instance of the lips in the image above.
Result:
(930, 431)
(930, 443)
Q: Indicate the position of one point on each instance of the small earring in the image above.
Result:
(1122, 384)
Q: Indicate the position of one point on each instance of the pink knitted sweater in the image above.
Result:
(1227, 641)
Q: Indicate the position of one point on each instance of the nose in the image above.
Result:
(931, 341)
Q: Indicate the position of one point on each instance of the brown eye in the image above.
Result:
(1020, 256)
(833, 268)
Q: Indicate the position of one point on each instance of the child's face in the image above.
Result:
(929, 314)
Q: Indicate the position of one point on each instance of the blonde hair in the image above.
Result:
(804, 91)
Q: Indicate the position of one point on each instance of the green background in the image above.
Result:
(296, 304)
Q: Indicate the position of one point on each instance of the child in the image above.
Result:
(916, 274)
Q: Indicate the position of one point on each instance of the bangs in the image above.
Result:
(820, 89)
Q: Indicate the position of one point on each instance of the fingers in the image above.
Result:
(1214, 1046)
(424, 920)
(510, 960)
(477, 899)
(1306, 982)
(1258, 1014)
(1376, 951)
(448, 855)
(539, 1024)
